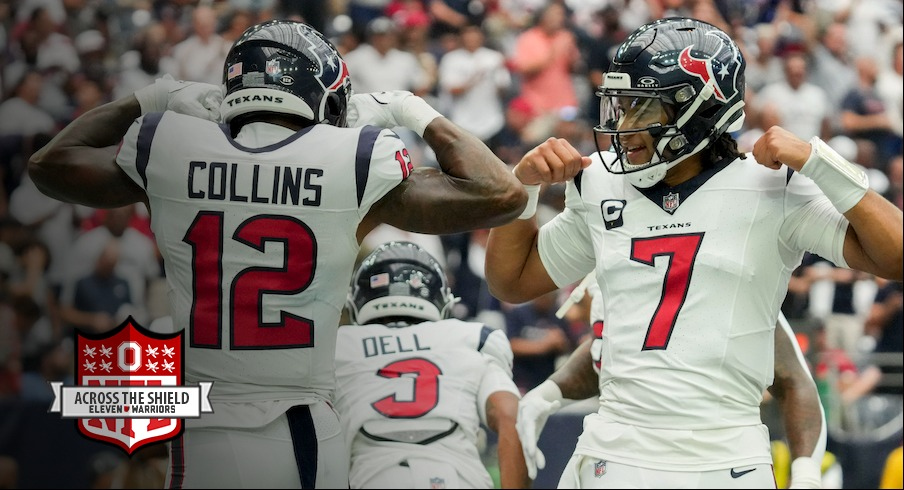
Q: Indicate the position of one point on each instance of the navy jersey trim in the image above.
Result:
(275, 146)
(362, 158)
(177, 463)
(684, 189)
(790, 174)
(577, 181)
(484, 334)
(423, 442)
(143, 145)
(304, 442)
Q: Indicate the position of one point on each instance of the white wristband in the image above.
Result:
(806, 473)
(843, 182)
(533, 197)
(416, 114)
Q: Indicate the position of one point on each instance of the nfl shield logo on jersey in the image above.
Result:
(436, 482)
(670, 202)
(599, 468)
(129, 389)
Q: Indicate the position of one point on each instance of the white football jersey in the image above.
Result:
(258, 236)
(691, 280)
(414, 384)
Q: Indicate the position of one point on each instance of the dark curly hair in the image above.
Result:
(725, 146)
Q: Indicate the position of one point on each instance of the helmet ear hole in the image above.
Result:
(335, 110)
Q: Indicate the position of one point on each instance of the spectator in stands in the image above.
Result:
(890, 88)
(544, 58)
(538, 339)
(136, 262)
(473, 81)
(793, 103)
(377, 64)
(200, 58)
(140, 66)
(832, 65)
(100, 300)
(885, 323)
(864, 114)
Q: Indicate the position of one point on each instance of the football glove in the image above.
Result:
(534, 410)
(190, 98)
(391, 109)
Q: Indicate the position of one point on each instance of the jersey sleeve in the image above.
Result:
(564, 243)
(389, 164)
(134, 152)
(811, 223)
(497, 351)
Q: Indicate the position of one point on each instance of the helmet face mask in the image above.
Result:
(692, 71)
(289, 68)
(399, 283)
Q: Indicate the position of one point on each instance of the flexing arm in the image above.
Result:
(514, 270)
(502, 411)
(79, 164)
(802, 413)
(874, 242)
(473, 190)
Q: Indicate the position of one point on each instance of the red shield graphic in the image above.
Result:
(129, 355)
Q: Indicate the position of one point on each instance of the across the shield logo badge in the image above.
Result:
(130, 355)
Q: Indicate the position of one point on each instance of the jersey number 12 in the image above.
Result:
(247, 329)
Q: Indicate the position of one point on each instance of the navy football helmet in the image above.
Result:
(286, 67)
(684, 72)
(399, 282)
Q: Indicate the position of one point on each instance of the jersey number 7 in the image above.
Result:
(247, 330)
(682, 252)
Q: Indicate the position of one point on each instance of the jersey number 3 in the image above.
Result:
(247, 329)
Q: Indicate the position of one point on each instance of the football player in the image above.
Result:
(693, 245)
(259, 221)
(793, 387)
(414, 385)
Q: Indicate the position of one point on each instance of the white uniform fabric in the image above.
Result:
(277, 223)
(586, 472)
(413, 383)
(687, 362)
(257, 235)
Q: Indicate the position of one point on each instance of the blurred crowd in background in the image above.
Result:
(512, 72)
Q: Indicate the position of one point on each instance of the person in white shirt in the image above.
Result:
(473, 80)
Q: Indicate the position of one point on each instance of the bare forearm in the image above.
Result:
(502, 411)
(797, 396)
(512, 255)
(877, 226)
(465, 157)
(576, 378)
(78, 165)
